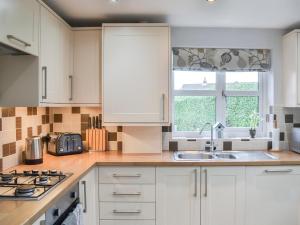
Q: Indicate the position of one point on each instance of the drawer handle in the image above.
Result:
(279, 171)
(127, 175)
(124, 212)
(117, 193)
(12, 37)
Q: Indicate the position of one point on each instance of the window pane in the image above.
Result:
(194, 80)
(238, 110)
(242, 81)
(192, 112)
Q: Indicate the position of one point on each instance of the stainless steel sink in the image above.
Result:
(221, 155)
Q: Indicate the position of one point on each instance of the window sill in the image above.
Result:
(224, 139)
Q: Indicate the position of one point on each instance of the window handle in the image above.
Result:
(224, 94)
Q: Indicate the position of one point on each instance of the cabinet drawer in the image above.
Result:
(127, 222)
(127, 211)
(127, 192)
(126, 175)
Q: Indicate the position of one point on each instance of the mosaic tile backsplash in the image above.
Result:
(16, 124)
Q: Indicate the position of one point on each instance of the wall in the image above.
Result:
(16, 124)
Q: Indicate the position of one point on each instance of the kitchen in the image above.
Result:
(125, 112)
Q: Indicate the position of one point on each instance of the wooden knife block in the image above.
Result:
(96, 139)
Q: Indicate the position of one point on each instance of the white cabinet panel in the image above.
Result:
(127, 222)
(136, 74)
(20, 24)
(178, 196)
(222, 199)
(127, 211)
(127, 192)
(126, 175)
(86, 80)
(88, 197)
(272, 195)
(56, 44)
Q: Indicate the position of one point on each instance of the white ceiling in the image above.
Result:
(223, 13)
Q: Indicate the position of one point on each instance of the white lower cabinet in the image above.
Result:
(272, 195)
(40, 221)
(222, 195)
(127, 222)
(88, 197)
(178, 196)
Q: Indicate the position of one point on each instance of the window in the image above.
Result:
(226, 97)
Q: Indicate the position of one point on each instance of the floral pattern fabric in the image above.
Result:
(221, 59)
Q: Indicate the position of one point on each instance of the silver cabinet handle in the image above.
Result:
(196, 183)
(118, 193)
(279, 171)
(71, 87)
(84, 194)
(163, 107)
(127, 175)
(205, 183)
(129, 212)
(12, 37)
(44, 72)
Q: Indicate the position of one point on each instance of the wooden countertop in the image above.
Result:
(26, 212)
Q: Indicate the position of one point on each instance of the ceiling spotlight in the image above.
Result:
(114, 1)
(211, 1)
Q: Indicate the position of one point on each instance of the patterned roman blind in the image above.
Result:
(221, 59)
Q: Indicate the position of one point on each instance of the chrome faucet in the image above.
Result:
(212, 145)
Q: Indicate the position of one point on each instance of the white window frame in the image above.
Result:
(229, 132)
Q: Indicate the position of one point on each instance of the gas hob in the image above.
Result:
(29, 184)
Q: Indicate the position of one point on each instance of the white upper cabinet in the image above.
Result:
(86, 87)
(272, 195)
(178, 196)
(291, 69)
(55, 59)
(19, 21)
(136, 68)
(222, 195)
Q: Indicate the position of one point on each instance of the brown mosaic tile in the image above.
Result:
(5, 150)
(51, 127)
(84, 118)
(120, 146)
(83, 126)
(119, 128)
(39, 129)
(8, 112)
(34, 111)
(45, 119)
(58, 118)
(112, 136)
(12, 148)
(47, 110)
(29, 111)
(29, 132)
(173, 146)
(75, 110)
(18, 122)
(227, 145)
(83, 135)
(0, 124)
(1, 165)
(18, 134)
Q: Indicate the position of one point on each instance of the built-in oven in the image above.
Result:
(64, 207)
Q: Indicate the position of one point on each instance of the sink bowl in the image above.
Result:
(220, 155)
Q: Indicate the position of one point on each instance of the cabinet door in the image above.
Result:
(20, 24)
(53, 82)
(178, 196)
(135, 74)
(222, 195)
(86, 83)
(88, 197)
(272, 195)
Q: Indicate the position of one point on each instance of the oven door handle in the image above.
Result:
(84, 196)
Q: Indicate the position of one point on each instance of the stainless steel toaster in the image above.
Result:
(64, 144)
(295, 140)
